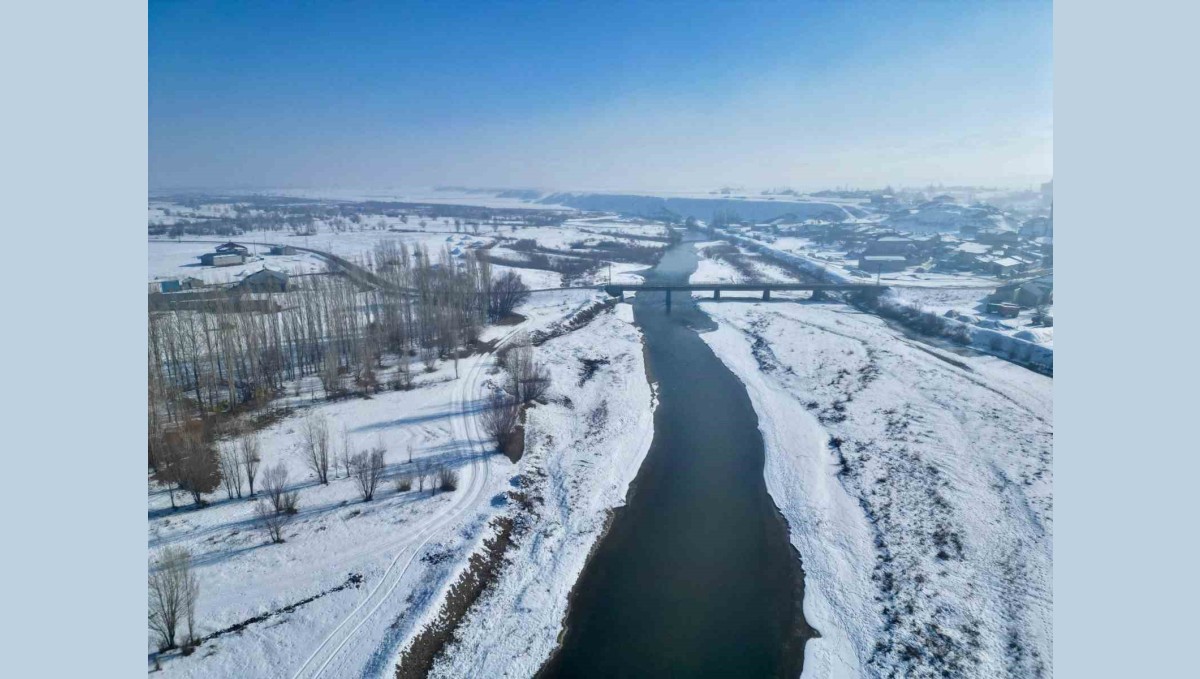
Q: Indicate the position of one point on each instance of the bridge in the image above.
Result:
(818, 289)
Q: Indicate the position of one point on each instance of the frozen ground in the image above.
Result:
(917, 486)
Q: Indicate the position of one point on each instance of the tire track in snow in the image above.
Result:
(465, 427)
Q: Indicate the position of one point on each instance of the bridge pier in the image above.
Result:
(716, 294)
(766, 295)
(668, 300)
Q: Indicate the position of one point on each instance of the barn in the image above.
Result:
(265, 280)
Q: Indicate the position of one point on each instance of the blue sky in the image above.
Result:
(599, 95)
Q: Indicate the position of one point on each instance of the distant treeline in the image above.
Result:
(273, 213)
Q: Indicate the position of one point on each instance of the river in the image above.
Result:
(696, 576)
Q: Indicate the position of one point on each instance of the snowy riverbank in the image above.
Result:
(583, 449)
(917, 485)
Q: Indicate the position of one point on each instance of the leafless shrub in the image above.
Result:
(447, 478)
(404, 483)
(404, 376)
(368, 469)
(315, 435)
(271, 520)
(499, 418)
(173, 591)
(275, 486)
(194, 466)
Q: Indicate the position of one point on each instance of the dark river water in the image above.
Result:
(696, 576)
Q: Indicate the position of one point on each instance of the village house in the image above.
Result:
(227, 254)
(1026, 294)
(1007, 267)
(264, 280)
(218, 259)
(282, 250)
(882, 263)
(966, 256)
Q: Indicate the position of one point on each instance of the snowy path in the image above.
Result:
(467, 500)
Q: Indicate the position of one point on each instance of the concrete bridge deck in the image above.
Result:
(619, 289)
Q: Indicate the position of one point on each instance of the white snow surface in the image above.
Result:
(929, 549)
(582, 451)
(410, 546)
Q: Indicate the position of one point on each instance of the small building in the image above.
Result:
(282, 250)
(265, 280)
(176, 284)
(1006, 267)
(222, 259)
(967, 255)
(882, 263)
(233, 248)
(890, 246)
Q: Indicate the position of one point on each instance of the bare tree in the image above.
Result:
(315, 435)
(530, 380)
(196, 469)
(271, 520)
(275, 486)
(499, 418)
(173, 592)
(347, 453)
(368, 469)
(249, 458)
(505, 293)
(231, 471)
(331, 377)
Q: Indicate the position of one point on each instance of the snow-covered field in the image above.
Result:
(168, 259)
(917, 486)
(335, 534)
(409, 546)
